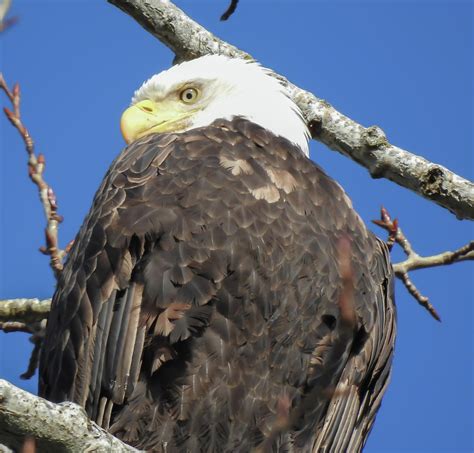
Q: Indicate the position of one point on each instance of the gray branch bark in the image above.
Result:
(56, 427)
(368, 147)
(24, 310)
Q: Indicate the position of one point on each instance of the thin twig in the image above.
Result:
(36, 165)
(15, 326)
(230, 10)
(346, 298)
(29, 445)
(27, 316)
(415, 261)
(323, 389)
(33, 363)
(396, 235)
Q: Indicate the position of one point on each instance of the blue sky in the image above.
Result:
(405, 66)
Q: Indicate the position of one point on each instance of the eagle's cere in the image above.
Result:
(201, 308)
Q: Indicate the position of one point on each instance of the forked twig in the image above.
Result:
(37, 340)
(37, 330)
(415, 261)
(36, 166)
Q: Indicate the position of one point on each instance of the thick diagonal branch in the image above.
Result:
(55, 427)
(369, 147)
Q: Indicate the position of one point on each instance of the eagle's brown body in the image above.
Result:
(201, 298)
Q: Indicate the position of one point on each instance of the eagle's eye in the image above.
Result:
(189, 95)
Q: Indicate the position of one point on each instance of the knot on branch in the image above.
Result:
(315, 127)
(433, 181)
(374, 137)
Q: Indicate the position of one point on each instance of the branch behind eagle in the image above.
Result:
(203, 287)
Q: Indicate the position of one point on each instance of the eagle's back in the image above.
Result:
(199, 308)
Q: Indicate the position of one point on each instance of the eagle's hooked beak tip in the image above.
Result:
(137, 119)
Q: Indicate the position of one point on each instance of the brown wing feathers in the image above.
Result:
(202, 289)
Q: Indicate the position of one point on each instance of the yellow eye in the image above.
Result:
(189, 95)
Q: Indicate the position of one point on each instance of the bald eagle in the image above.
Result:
(198, 310)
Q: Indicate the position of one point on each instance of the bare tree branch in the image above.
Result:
(24, 310)
(37, 340)
(186, 38)
(27, 316)
(36, 166)
(415, 261)
(56, 427)
(368, 147)
(15, 326)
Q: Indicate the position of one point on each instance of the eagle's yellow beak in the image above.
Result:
(148, 117)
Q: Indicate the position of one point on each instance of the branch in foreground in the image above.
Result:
(287, 415)
(368, 147)
(56, 427)
(36, 166)
(415, 261)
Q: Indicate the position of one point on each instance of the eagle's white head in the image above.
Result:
(198, 92)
